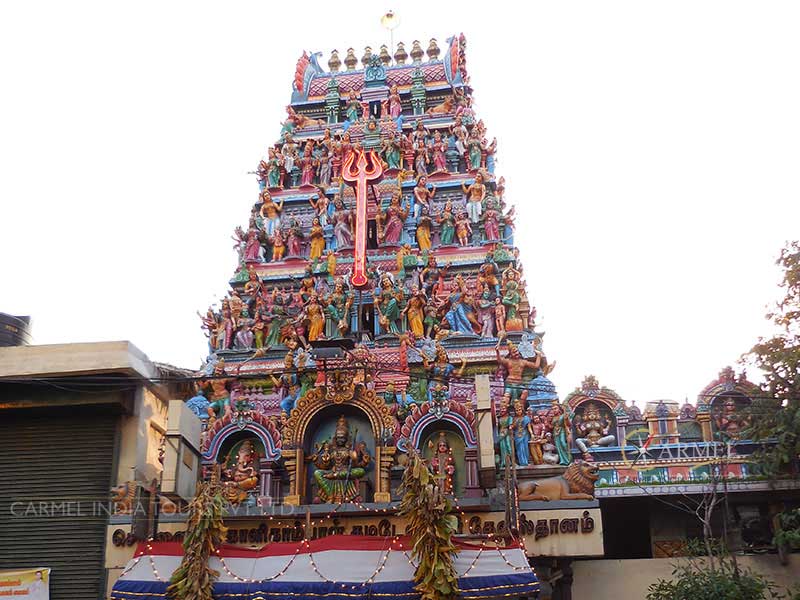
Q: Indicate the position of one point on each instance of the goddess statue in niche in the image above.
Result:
(443, 464)
(593, 430)
(341, 463)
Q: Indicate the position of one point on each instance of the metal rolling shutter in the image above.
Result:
(53, 459)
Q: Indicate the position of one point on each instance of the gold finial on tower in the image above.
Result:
(400, 55)
(417, 53)
(385, 57)
(433, 50)
(334, 62)
(350, 61)
(366, 57)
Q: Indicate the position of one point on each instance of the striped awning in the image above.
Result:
(340, 567)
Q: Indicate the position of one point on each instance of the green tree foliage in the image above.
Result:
(194, 578)
(695, 581)
(776, 416)
(431, 527)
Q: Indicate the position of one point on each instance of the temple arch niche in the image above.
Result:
(430, 437)
(318, 440)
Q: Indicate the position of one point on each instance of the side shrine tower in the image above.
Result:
(380, 305)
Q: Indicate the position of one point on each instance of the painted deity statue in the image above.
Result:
(342, 220)
(316, 318)
(537, 431)
(320, 205)
(220, 397)
(352, 110)
(463, 229)
(424, 226)
(338, 305)
(392, 151)
(241, 475)
(423, 195)
(561, 423)
(392, 219)
(458, 316)
(511, 300)
(395, 105)
(340, 466)
(270, 213)
(317, 236)
(485, 311)
(287, 385)
(593, 430)
(491, 222)
(549, 452)
(443, 464)
(308, 165)
(515, 366)
(440, 370)
(274, 165)
(505, 424)
(730, 422)
(415, 311)
(488, 275)
(475, 196)
(447, 223)
(294, 239)
(438, 150)
(521, 434)
(387, 301)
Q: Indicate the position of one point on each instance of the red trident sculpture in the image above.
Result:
(360, 169)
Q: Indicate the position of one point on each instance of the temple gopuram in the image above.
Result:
(378, 289)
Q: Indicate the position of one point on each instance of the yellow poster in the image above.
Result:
(31, 584)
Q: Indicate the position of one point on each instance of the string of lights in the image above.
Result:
(83, 383)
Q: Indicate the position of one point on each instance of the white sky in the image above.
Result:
(651, 148)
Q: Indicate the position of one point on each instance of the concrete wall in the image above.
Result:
(629, 579)
(140, 436)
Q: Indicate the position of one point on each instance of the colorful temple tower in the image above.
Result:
(379, 304)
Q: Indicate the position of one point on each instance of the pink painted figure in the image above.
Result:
(392, 220)
(395, 106)
(294, 239)
(438, 149)
(423, 195)
(308, 165)
(499, 315)
(252, 248)
(491, 222)
(463, 229)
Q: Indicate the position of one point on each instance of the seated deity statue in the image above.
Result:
(340, 466)
(549, 452)
(240, 477)
(593, 430)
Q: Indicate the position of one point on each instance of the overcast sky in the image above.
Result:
(651, 149)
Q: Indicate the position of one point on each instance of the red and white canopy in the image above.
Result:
(340, 567)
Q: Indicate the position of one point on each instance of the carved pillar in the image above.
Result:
(472, 487)
(383, 461)
(622, 428)
(266, 483)
(485, 432)
(294, 464)
(332, 101)
(418, 92)
(704, 419)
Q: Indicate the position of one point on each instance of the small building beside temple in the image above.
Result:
(76, 420)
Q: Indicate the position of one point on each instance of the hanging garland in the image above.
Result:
(194, 579)
(431, 527)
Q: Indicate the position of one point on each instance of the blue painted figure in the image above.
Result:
(521, 434)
